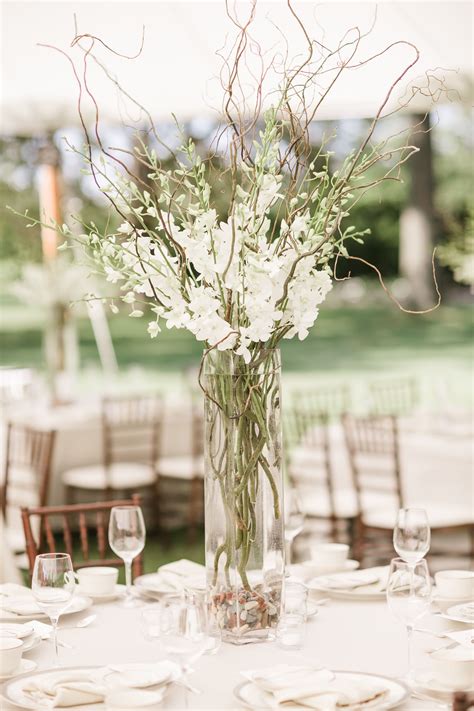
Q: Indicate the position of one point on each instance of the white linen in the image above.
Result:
(345, 635)
(64, 689)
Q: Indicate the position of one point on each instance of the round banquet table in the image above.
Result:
(349, 636)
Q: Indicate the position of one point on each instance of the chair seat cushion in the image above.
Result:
(437, 517)
(119, 475)
(181, 467)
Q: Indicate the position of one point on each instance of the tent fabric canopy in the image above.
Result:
(178, 69)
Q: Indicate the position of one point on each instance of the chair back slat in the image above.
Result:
(83, 535)
(67, 535)
(101, 544)
(49, 534)
(69, 516)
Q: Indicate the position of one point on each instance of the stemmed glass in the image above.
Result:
(409, 596)
(184, 632)
(53, 586)
(127, 539)
(294, 520)
(411, 535)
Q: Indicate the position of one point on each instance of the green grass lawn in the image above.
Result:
(349, 342)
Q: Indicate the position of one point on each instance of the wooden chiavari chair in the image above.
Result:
(393, 397)
(73, 519)
(330, 402)
(131, 431)
(374, 455)
(27, 473)
(188, 468)
(311, 474)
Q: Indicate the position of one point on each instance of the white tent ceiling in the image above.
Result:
(178, 68)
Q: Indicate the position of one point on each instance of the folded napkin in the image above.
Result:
(354, 580)
(141, 676)
(317, 689)
(12, 589)
(21, 605)
(174, 577)
(65, 689)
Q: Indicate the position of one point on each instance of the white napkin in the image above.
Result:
(315, 688)
(463, 637)
(180, 574)
(65, 689)
(140, 676)
(21, 605)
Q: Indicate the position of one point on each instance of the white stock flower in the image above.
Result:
(125, 228)
(153, 329)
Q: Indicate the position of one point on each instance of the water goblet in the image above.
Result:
(409, 596)
(411, 535)
(127, 539)
(184, 632)
(53, 586)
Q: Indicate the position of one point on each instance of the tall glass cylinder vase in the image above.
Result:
(244, 493)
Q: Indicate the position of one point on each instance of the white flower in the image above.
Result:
(112, 275)
(125, 228)
(136, 313)
(129, 298)
(153, 329)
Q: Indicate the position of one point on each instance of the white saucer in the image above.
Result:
(31, 643)
(25, 666)
(427, 681)
(456, 613)
(100, 597)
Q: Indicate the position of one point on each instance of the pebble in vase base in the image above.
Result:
(246, 615)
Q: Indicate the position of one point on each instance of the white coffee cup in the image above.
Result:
(11, 650)
(454, 668)
(455, 584)
(329, 554)
(98, 580)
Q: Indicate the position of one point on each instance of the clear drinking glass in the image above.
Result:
(411, 535)
(295, 598)
(127, 539)
(409, 596)
(53, 586)
(294, 520)
(184, 631)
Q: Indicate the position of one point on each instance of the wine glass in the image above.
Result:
(294, 520)
(409, 595)
(411, 535)
(53, 586)
(184, 631)
(127, 539)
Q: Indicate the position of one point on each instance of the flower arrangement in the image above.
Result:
(241, 281)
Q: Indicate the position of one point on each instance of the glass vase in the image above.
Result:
(244, 521)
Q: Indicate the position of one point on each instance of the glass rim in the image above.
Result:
(52, 556)
(131, 507)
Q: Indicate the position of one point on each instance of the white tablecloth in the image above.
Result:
(360, 636)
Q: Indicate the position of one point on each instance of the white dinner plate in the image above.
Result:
(79, 603)
(314, 569)
(426, 681)
(98, 598)
(12, 691)
(25, 666)
(251, 697)
(374, 591)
